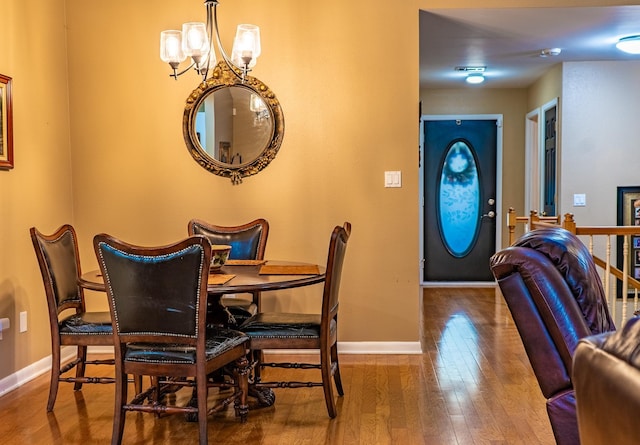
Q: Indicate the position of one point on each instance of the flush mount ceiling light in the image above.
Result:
(475, 78)
(630, 44)
(474, 73)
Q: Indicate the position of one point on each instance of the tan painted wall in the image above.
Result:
(346, 74)
(545, 89)
(38, 191)
(349, 115)
(599, 137)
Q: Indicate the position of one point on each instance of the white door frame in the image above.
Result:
(532, 163)
(439, 117)
(534, 158)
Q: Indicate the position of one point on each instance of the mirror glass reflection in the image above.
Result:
(233, 125)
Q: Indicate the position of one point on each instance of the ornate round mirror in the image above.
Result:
(233, 128)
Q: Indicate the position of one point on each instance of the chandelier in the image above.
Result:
(195, 41)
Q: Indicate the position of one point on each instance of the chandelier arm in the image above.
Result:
(175, 75)
(212, 4)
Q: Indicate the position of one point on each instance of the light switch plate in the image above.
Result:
(393, 179)
(23, 321)
(579, 200)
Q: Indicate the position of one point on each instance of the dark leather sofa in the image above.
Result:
(556, 298)
(606, 376)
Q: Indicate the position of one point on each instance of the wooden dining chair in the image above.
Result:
(275, 330)
(157, 298)
(248, 242)
(69, 322)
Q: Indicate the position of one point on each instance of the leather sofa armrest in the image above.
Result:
(607, 389)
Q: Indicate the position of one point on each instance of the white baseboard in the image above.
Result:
(32, 371)
(364, 347)
(379, 347)
(473, 284)
(43, 366)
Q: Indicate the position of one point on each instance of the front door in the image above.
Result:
(459, 181)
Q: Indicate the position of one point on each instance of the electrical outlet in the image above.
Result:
(23, 321)
(5, 324)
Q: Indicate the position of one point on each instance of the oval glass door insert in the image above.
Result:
(459, 200)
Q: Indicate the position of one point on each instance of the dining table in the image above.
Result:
(240, 276)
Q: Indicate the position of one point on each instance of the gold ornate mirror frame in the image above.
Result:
(221, 78)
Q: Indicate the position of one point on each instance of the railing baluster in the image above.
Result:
(607, 276)
(625, 275)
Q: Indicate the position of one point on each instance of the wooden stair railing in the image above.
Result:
(628, 281)
(610, 272)
(530, 222)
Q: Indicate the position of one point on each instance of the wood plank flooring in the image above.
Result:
(472, 385)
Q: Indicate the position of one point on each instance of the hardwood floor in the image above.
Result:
(472, 385)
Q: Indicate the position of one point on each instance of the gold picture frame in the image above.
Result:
(6, 123)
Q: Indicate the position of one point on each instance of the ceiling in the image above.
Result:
(508, 41)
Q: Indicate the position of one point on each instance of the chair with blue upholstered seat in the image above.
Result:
(157, 298)
(273, 330)
(69, 322)
(248, 242)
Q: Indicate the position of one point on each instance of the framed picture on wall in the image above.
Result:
(628, 206)
(628, 203)
(6, 123)
(224, 152)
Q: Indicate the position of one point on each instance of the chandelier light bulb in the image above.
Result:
(171, 47)
(195, 42)
(246, 46)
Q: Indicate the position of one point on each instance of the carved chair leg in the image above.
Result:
(55, 375)
(327, 384)
(80, 367)
(137, 383)
(201, 385)
(119, 412)
(155, 383)
(257, 356)
(336, 375)
(241, 376)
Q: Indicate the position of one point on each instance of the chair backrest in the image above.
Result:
(335, 261)
(157, 292)
(551, 285)
(247, 241)
(59, 264)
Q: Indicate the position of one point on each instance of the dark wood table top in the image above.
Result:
(246, 279)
